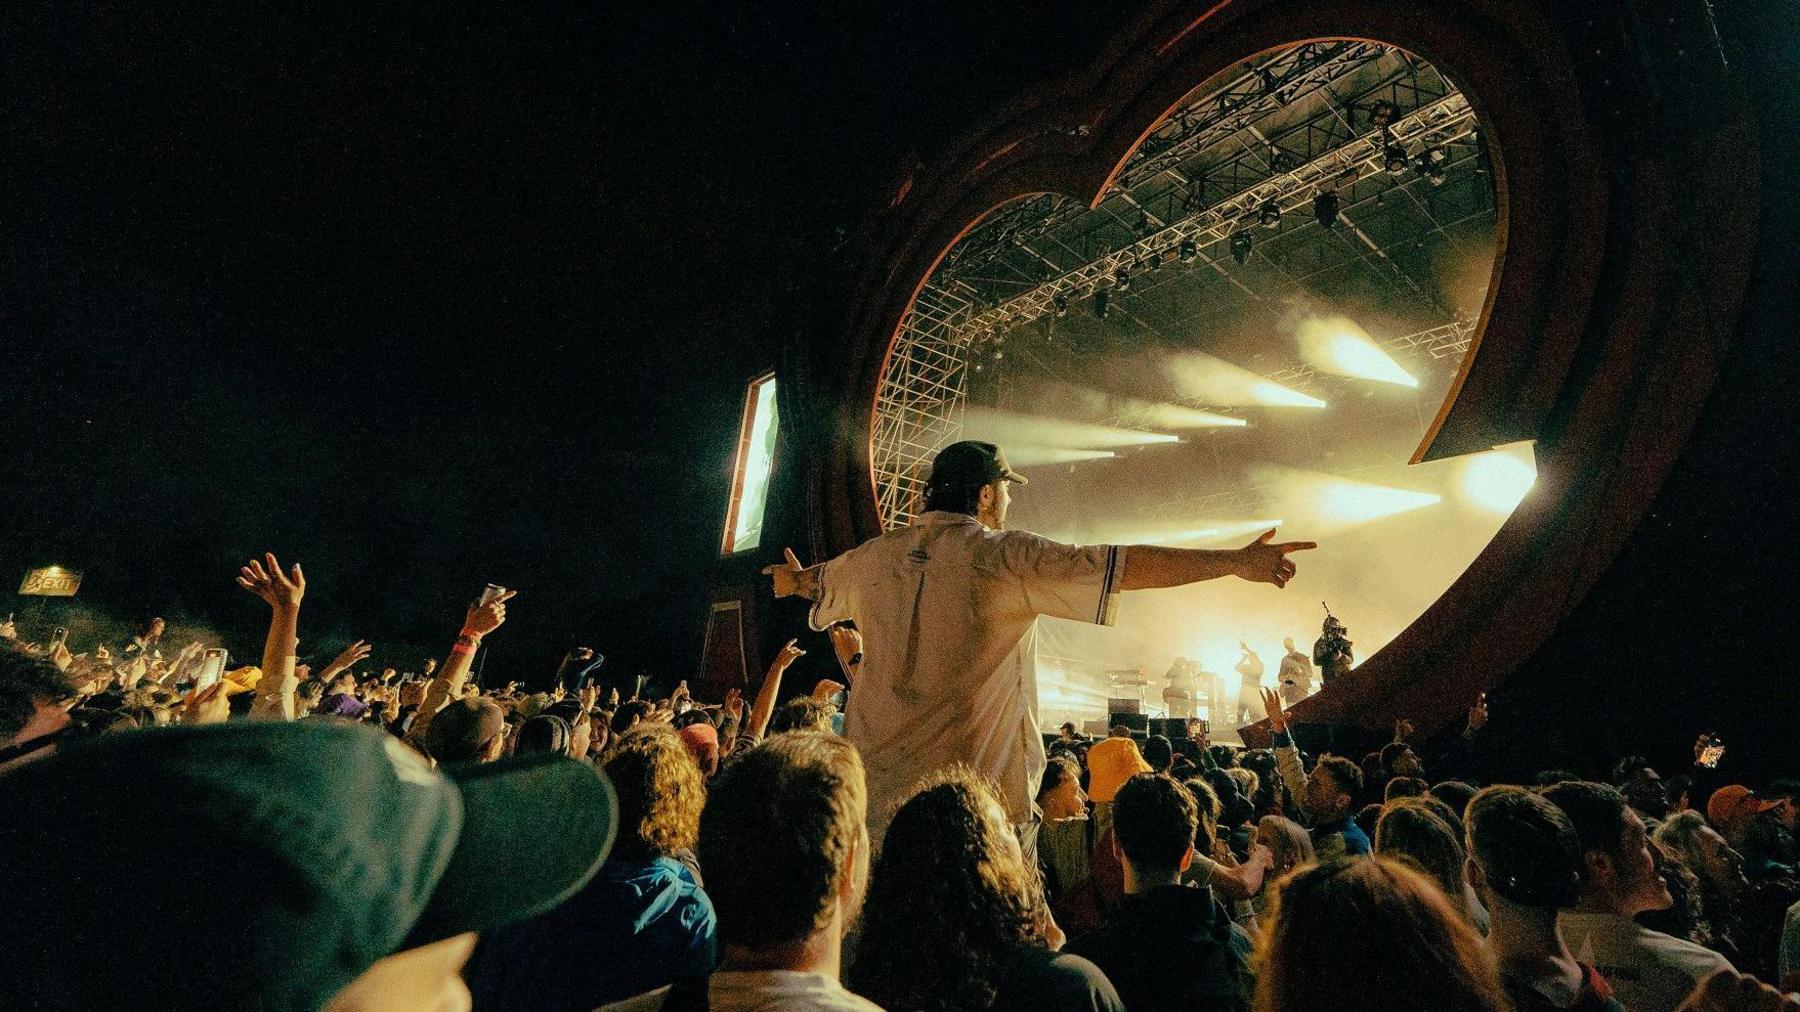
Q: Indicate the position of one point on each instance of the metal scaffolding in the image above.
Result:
(1161, 209)
(919, 402)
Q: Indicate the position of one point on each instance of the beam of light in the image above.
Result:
(1233, 529)
(1037, 456)
(1336, 344)
(1174, 416)
(1006, 428)
(1201, 377)
(1359, 501)
(1498, 480)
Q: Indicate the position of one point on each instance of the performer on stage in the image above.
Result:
(1331, 652)
(1296, 674)
(945, 607)
(1178, 697)
(1250, 672)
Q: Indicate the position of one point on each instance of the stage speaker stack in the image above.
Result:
(1169, 727)
(1130, 720)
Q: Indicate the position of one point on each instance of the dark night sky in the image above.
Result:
(428, 299)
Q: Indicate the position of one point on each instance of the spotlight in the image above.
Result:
(1241, 241)
(1061, 302)
(1154, 262)
(1280, 161)
(1325, 208)
(1187, 252)
(1394, 158)
(1102, 304)
(1382, 113)
(1270, 215)
(1122, 280)
(1432, 164)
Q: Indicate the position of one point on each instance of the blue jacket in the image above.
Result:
(637, 926)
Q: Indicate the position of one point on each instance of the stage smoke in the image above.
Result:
(1336, 344)
(1209, 380)
(1027, 455)
(1008, 428)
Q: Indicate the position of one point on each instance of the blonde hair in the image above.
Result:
(1290, 844)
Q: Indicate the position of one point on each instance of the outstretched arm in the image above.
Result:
(764, 707)
(480, 620)
(792, 579)
(275, 693)
(1150, 567)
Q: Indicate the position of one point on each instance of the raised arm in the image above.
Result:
(480, 620)
(275, 693)
(764, 707)
(1150, 567)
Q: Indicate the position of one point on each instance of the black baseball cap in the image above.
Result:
(971, 462)
(267, 865)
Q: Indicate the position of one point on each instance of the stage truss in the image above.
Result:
(960, 319)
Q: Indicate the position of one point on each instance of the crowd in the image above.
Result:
(355, 840)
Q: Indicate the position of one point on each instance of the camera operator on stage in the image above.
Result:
(1332, 651)
(947, 608)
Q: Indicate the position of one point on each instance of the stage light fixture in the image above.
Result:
(1270, 215)
(1241, 242)
(1188, 251)
(1433, 163)
(1498, 481)
(1325, 208)
(1061, 302)
(1122, 281)
(1382, 113)
(1102, 304)
(1394, 159)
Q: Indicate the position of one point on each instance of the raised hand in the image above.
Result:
(1271, 701)
(590, 694)
(826, 689)
(845, 641)
(279, 590)
(1478, 714)
(485, 618)
(1266, 561)
(352, 655)
(612, 698)
(790, 653)
(207, 706)
(734, 703)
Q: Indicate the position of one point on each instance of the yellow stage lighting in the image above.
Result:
(1336, 344)
(1034, 456)
(1201, 377)
(1357, 501)
(1498, 480)
(1009, 428)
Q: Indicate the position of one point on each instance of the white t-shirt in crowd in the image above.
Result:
(761, 991)
(1648, 970)
(946, 608)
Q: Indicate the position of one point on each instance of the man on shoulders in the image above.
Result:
(947, 607)
(1649, 971)
(1326, 797)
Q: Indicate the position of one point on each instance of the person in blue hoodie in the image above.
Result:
(643, 922)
